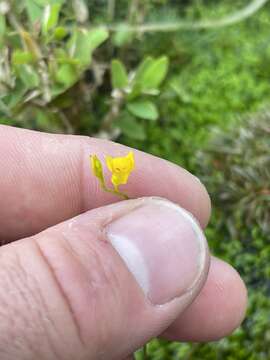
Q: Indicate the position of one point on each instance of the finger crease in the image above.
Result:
(62, 293)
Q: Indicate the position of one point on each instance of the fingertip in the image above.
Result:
(231, 287)
(219, 308)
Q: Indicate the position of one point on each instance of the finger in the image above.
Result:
(47, 179)
(102, 284)
(217, 311)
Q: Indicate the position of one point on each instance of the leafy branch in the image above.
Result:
(230, 19)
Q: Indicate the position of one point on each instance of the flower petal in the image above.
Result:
(109, 163)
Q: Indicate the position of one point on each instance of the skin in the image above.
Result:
(46, 180)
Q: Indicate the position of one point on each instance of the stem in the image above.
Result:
(6, 78)
(111, 10)
(112, 191)
(112, 114)
(233, 18)
(43, 72)
(123, 195)
(31, 45)
(132, 11)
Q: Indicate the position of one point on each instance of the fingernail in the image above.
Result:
(163, 247)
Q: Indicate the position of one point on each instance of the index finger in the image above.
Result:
(46, 179)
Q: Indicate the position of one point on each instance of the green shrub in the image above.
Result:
(56, 68)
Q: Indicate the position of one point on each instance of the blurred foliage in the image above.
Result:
(53, 72)
(236, 169)
(186, 96)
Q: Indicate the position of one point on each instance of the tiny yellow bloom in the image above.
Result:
(97, 168)
(120, 167)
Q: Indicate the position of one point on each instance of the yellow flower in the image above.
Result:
(97, 168)
(120, 167)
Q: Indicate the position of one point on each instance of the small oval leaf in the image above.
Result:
(131, 128)
(119, 75)
(143, 109)
(20, 57)
(154, 73)
(50, 17)
(84, 42)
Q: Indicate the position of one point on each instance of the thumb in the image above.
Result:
(102, 284)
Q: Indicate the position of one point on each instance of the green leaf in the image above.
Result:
(28, 76)
(66, 75)
(20, 57)
(16, 96)
(61, 57)
(50, 17)
(97, 37)
(34, 10)
(143, 67)
(119, 75)
(143, 109)
(42, 120)
(83, 42)
(131, 128)
(153, 73)
(138, 81)
(60, 32)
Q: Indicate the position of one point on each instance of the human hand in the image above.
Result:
(65, 288)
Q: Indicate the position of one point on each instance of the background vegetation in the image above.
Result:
(207, 89)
